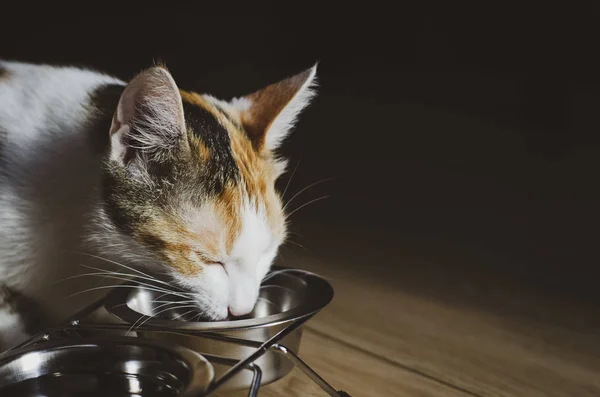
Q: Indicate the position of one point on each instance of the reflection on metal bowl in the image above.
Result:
(100, 368)
(286, 296)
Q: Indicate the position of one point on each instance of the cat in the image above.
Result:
(139, 175)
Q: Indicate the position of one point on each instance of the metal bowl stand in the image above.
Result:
(72, 327)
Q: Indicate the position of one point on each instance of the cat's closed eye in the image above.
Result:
(208, 260)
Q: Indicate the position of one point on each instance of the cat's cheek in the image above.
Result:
(211, 290)
(266, 261)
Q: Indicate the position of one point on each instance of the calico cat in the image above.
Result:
(96, 173)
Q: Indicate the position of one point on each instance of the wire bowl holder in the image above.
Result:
(195, 336)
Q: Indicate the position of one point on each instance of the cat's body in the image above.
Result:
(140, 174)
(49, 178)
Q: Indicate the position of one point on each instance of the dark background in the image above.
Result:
(464, 135)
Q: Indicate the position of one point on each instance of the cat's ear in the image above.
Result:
(149, 121)
(269, 114)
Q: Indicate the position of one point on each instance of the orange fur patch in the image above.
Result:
(204, 151)
(258, 176)
(177, 244)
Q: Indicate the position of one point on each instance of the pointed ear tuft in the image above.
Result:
(269, 114)
(149, 119)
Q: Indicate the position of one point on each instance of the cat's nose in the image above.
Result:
(242, 304)
(241, 308)
(243, 293)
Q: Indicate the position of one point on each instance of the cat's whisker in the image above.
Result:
(290, 180)
(144, 276)
(169, 293)
(161, 295)
(294, 233)
(107, 274)
(153, 315)
(113, 262)
(162, 311)
(153, 279)
(306, 188)
(153, 301)
(62, 280)
(149, 277)
(137, 283)
(295, 243)
(282, 258)
(181, 316)
(305, 204)
(197, 317)
(116, 286)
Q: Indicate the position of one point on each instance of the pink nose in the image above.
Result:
(240, 309)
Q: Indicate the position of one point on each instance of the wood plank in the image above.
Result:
(486, 337)
(357, 373)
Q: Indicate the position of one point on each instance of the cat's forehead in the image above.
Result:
(220, 225)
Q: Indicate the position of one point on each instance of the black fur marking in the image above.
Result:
(119, 217)
(125, 201)
(25, 307)
(104, 101)
(221, 169)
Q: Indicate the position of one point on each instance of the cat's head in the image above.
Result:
(190, 181)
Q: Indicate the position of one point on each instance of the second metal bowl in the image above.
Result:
(104, 367)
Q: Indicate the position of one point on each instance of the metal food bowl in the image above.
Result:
(104, 367)
(286, 296)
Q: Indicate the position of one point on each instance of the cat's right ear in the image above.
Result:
(148, 123)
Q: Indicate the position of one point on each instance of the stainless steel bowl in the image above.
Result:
(287, 296)
(104, 367)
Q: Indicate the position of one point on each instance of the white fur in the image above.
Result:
(37, 102)
(241, 104)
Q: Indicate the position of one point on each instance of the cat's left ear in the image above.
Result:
(269, 114)
(149, 121)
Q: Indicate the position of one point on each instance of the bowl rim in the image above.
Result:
(201, 371)
(319, 295)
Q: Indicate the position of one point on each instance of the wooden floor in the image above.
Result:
(398, 327)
